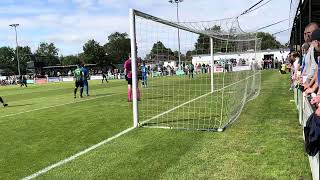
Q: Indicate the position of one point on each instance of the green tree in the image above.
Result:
(93, 53)
(159, 48)
(202, 46)
(49, 54)
(118, 47)
(7, 59)
(268, 41)
(69, 60)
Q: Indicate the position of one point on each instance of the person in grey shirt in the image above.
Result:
(310, 61)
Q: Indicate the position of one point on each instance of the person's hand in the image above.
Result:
(317, 112)
(306, 86)
(315, 100)
(308, 91)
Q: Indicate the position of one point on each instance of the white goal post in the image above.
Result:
(202, 92)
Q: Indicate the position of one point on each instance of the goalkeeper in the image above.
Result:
(4, 104)
(128, 73)
(78, 75)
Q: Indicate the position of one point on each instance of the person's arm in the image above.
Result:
(312, 89)
(125, 69)
(313, 78)
(312, 81)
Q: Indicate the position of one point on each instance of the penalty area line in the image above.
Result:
(38, 109)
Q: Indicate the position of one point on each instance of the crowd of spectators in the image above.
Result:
(304, 65)
(9, 80)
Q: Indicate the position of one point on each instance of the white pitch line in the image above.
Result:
(32, 110)
(71, 158)
(45, 170)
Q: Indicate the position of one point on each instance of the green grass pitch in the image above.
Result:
(45, 124)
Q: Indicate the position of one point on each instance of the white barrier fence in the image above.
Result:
(305, 110)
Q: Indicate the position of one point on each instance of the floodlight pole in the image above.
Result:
(212, 63)
(179, 46)
(17, 51)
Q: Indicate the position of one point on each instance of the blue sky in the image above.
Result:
(70, 23)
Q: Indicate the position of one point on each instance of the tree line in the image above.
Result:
(202, 46)
(115, 51)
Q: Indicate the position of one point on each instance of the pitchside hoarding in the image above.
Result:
(218, 69)
(96, 77)
(30, 81)
(54, 79)
(67, 79)
(41, 81)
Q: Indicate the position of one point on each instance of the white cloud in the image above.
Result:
(84, 3)
(96, 19)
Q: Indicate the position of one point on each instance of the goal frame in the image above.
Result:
(132, 21)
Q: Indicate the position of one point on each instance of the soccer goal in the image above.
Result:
(196, 75)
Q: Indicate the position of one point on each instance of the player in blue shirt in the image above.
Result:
(144, 72)
(85, 78)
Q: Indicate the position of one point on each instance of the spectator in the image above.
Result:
(294, 68)
(276, 63)
(310, 61)
(315, 37)
(305, 48)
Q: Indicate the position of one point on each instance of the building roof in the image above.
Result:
(68, 66)
(307, 11)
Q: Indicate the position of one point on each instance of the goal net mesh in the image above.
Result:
(186, 82)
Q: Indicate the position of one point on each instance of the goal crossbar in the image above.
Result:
(179, 26)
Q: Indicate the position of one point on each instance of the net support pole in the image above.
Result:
(212, 63)
(134, 67)
(253, 65)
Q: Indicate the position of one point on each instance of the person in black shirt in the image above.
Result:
(104, 77)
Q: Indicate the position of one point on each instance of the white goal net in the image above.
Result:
(191, 75)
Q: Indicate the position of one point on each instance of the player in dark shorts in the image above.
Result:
(128, 76)
(4, 104)
(104, 77)
(85, 72)
(191, 70)
(144, 72)
(23, 81)
(78, 74)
